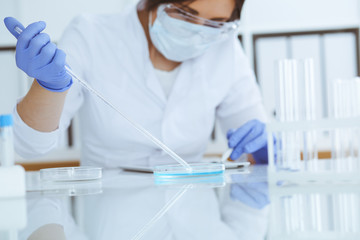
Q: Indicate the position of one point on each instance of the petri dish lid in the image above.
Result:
(71, 174)
(197, 169)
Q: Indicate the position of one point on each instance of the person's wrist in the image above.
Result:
(59, 87)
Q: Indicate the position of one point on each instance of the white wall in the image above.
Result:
(57, 14)
(300, 14)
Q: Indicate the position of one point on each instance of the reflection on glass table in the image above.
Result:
(252, 190)
(238, 205)
(315, 212)
(130, 206)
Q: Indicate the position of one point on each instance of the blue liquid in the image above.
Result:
(187, 174)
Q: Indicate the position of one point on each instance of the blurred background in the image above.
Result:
(325, 30)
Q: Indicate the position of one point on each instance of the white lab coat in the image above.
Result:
(110, 52)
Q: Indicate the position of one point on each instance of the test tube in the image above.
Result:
(287, 108)
(280, 91)
(336, 114)
(334, 109)
(357, 97)
(297, 81)
(346, 104)
(309, 110)
(350, 99)
(310, 103)
(280, 110)
(295, 101)
(357, 130)
(355, 112)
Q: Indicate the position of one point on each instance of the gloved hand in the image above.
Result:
(249, 138)
(251, 189)
(38, 57)
(255, 195)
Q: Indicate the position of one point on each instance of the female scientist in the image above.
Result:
(173, 66)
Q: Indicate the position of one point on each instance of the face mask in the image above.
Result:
(179, 40)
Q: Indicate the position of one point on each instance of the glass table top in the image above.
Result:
(127, 205)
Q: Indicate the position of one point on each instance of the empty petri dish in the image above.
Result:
(197, 169)
(71, 174)
(71, 188)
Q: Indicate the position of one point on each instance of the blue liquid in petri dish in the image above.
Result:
(198, 169)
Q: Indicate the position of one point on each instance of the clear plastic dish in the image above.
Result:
(74, 188)
(204, 181)
(71, 174)
(197, 169)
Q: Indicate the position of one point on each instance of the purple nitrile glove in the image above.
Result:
(38, 57)
(249, 138)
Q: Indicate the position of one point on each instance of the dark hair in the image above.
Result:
(152, 4)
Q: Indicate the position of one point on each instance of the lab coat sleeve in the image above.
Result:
(243, 101)
(30, 143)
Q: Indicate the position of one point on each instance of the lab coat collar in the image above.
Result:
(149, 76)
(139, 37)
(154, 86)
(189, 71)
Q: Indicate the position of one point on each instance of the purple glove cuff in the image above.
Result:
(41, 83)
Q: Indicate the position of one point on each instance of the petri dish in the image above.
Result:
(71, 188)
(71, 174)
(204, 181)
(197, 169)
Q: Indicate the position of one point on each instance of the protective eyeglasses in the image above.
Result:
(179, 13)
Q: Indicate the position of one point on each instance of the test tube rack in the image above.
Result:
(296, 159)
(298, 128)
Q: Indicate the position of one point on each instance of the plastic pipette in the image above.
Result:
(134, 124)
